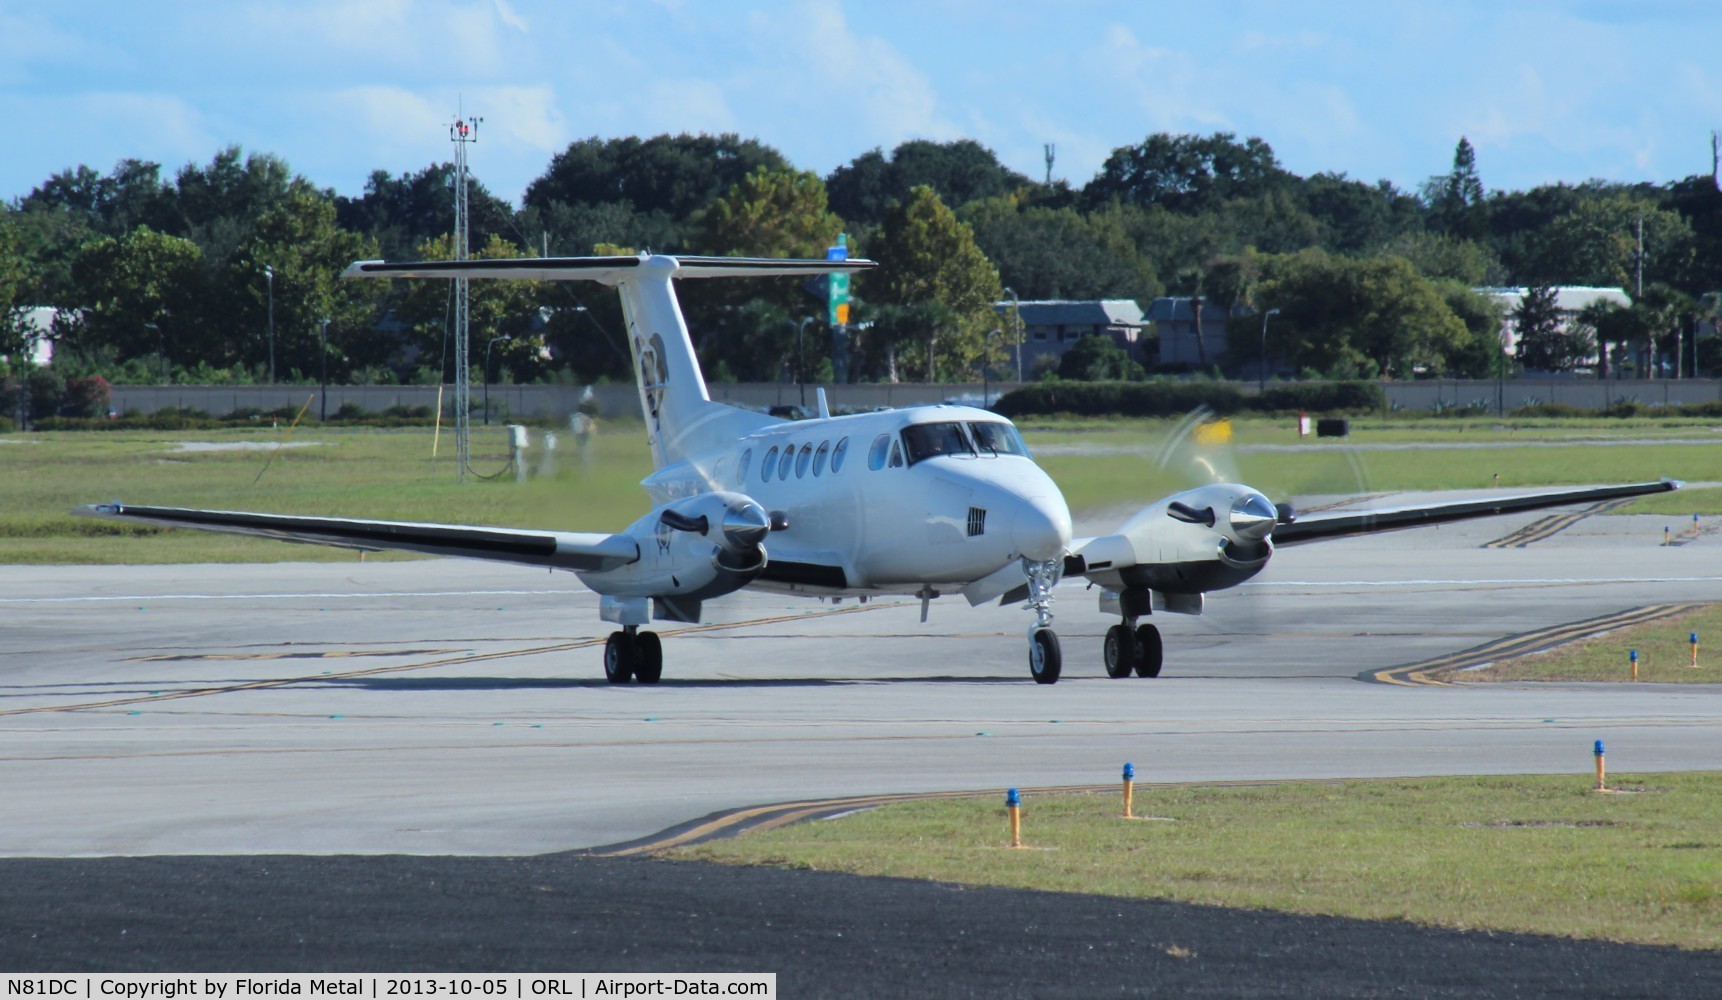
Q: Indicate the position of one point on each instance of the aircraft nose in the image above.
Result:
(1040, 527)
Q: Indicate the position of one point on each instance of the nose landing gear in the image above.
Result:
(1045, 658)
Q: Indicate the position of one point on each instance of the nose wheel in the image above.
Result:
(633, 655)
(1045, 658)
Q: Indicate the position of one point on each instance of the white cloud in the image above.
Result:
(509, 17)
(862, 87)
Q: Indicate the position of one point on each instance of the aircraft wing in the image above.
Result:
(553, 549)
(1321, 527)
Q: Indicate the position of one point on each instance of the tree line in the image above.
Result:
(227, 271)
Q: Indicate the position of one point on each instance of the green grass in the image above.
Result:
(1664, 655)
(1534, 854)
(390, 474)
(354, 473)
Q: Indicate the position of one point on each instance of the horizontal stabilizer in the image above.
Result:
(607, 270)
(555, 549)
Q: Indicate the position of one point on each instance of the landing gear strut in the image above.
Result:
(1045, 659)
(633, 655)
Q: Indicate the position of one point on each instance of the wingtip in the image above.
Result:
(98, 509)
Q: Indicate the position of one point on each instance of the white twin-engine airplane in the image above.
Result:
(919, 501)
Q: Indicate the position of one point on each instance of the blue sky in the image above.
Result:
(1625, 90)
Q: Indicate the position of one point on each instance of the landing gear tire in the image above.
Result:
(1120, 651)
(620, 658)
(649, 666)
(1045, 659)
(1149, 652)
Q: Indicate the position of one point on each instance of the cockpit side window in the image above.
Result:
(896, 455)
(876, 454)
(923, 441)
(998, 439)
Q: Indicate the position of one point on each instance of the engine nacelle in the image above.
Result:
(1208, 538)
(694, 548)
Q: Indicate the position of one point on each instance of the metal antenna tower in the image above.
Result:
(1049, 153)
(461, 133)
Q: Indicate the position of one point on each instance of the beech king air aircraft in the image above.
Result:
(919, 501)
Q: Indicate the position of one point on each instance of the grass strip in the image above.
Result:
(1664, 655)
(1534, 854)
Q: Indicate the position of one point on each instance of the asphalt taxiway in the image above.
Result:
(445, 707)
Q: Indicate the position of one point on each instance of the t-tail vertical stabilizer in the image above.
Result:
(681, 419)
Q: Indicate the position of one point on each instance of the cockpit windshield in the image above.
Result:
(930, 440)
(998, 439)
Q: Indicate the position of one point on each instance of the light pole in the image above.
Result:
(487, 346)
(986, 370)
(801, 359)
(269, 276)
(1016, 328)
(323, 387)
(160, 350)
(1262, 376)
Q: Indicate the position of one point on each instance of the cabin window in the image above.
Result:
(741, 466)
(837, 455)
(788, 460)
(819, 457)
(765, 466)
(923, 441)
(802, 459)
(896, 455)
(998, 439)
(876, 457)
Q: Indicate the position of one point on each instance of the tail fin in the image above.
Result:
(672, 390)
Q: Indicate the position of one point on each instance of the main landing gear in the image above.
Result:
(1133, 647)
(633, 655)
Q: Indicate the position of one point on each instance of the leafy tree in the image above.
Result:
(1047, 253)
(1480, 355)
(1373, 315)
(1614, 328)
(961, 172)
(1594, 244)
(1096, 357)
(772, 212)
(1354, 216)
(1544, 341)
(578, 230)
(401, 212)
(1454, 198)
(298, 238)
(1665, 310)
(751, 326)
(499, 308)
(1187, 173)
(672, 175)
(14, 283)
(139, 296)
(926, 258)
(1437, 256)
